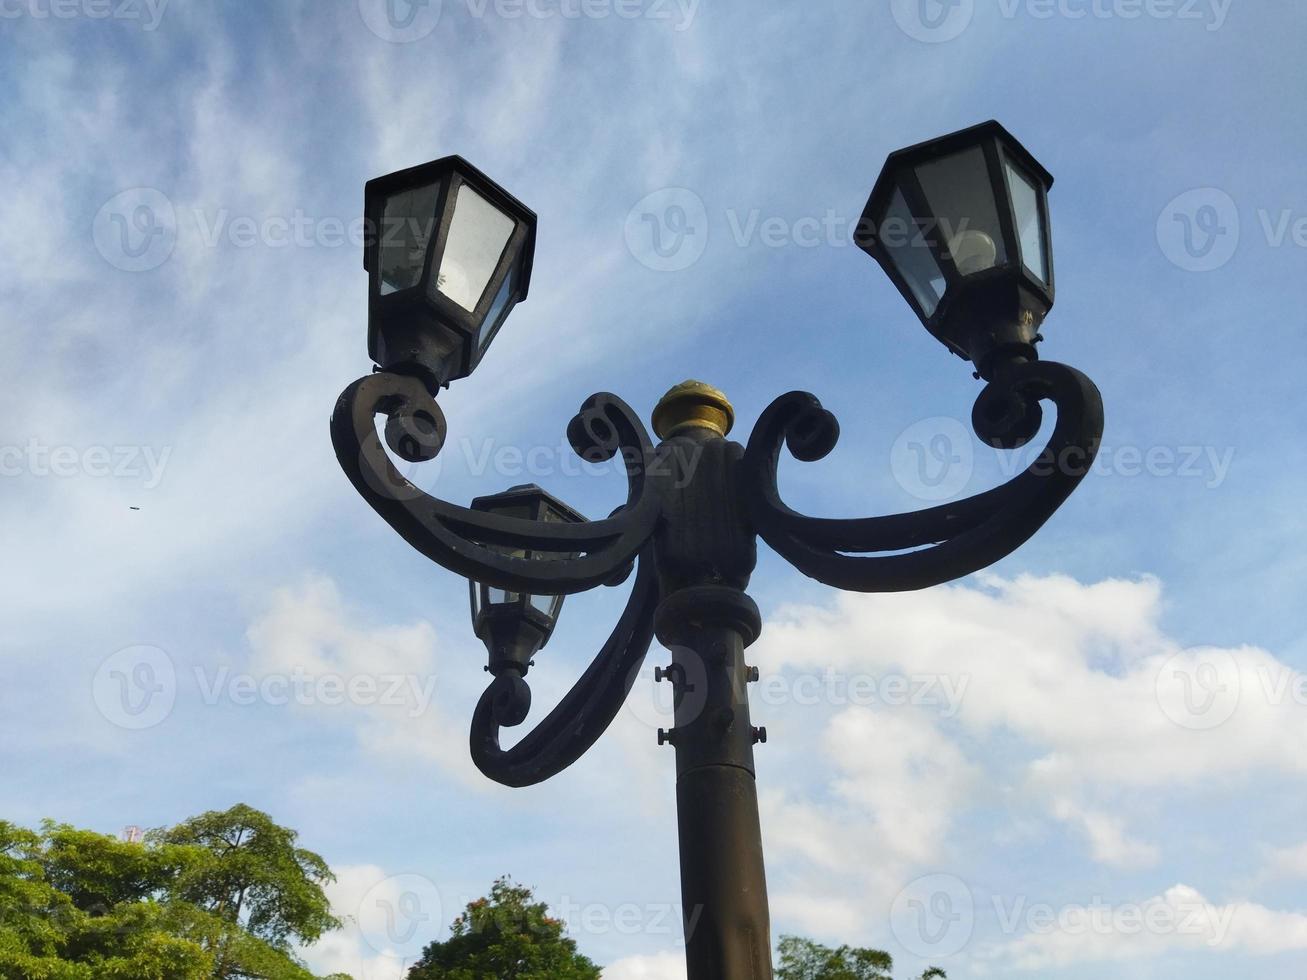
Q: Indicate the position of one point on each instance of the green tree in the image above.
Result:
(506, 936)
(802, 959)
(220, 897)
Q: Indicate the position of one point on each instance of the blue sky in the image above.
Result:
(183, 303)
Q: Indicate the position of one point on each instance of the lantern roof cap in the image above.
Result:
(867, 231)
(528, 491)
(942, 146)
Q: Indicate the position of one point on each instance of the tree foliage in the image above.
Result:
(220, 897)
(802, 959)
(507, 936)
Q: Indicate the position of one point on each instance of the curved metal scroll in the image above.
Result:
(463, 540)
(568, 731)
(963, 537)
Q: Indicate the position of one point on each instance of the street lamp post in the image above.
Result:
(960, 225)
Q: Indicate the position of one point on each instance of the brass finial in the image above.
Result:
(692, 403)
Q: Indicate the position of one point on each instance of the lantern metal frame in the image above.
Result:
(515, 630)
(422, 331)
(977, 313)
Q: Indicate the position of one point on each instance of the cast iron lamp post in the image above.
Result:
(960, 225)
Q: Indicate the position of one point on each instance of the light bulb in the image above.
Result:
(972, 251)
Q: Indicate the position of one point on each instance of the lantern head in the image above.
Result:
(448, 254)
(515, 625)
(960, 224)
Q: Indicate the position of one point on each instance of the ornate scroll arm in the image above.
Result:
(964, 536)
(465, 540)
(568, 731)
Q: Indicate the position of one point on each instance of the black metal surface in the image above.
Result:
(955, 539)
(584, 713)
(458, 537)
(979, 313)
(695, 507)
(417, 330)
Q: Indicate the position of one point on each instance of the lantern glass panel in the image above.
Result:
(547, 604)
(406, 226)
(499, 310)
(1030, 225)
(960, 197)
(478, 234)
(496, 597)
(908, 250)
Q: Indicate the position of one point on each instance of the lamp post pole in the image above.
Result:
(705, 552)
(456, 256)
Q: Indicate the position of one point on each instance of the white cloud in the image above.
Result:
(1081, 674)
(390, 675)
(1179, 919)
(661, 966)
(896, 787)
(361, 896)
(1109, 842)
(1286, 862)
